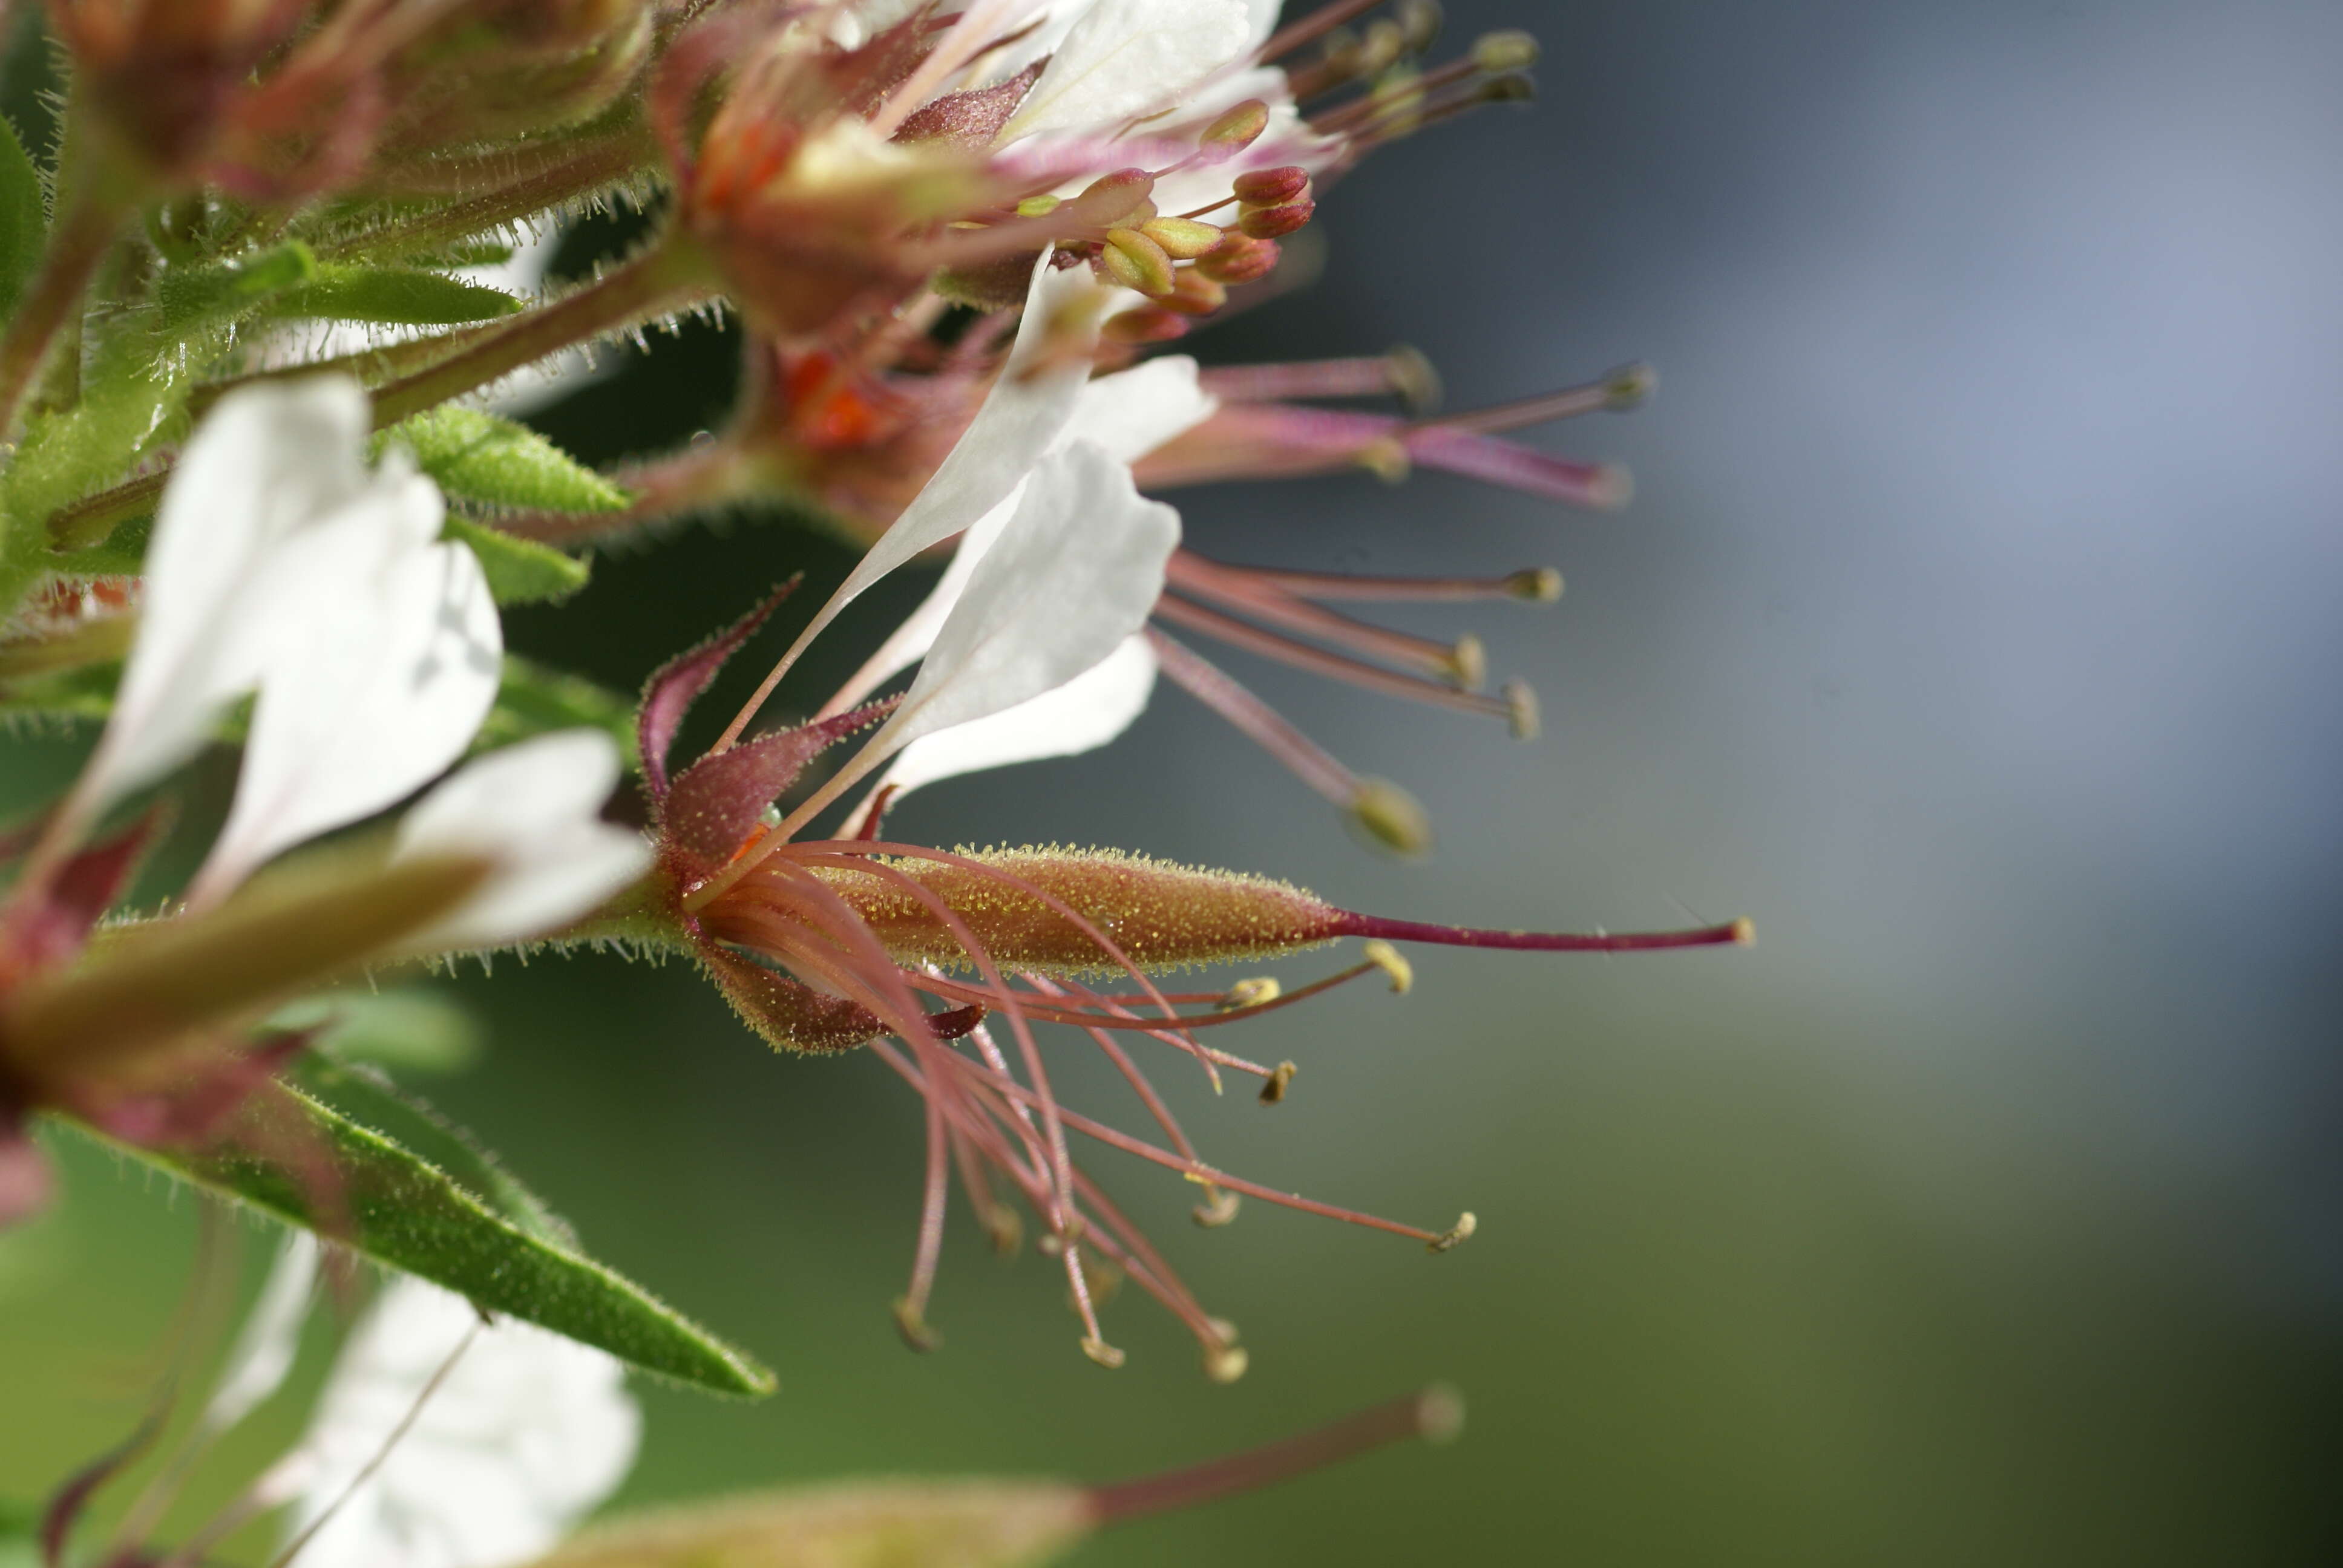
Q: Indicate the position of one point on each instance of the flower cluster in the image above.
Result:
(250, 496)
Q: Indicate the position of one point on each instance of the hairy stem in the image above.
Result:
(668, 276)
(83, 235)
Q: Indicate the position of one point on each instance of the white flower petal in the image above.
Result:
(264, 1353)
(1260, 21)
(269, 460)
(1083, 715)
(1129, 58)
(1132, 412)
(382, 657)
(1020, 417)
(1075, 572)
(1129, 414)
(535, 809)
(525, 1434)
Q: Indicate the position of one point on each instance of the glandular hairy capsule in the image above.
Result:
(1017, 903)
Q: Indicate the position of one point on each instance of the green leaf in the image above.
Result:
(296, 1158)
(520, 572)
(416, 1028)
(481, 458)
(22, 224)
(393, 295)
(193, 296)
(20, 1535)
(366, 1095)
(535, 699)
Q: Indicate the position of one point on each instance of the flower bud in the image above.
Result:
(1233, 132)
(1268, 187)
(1132, 260)
(1110, 199)
(1182, 238)
(1276, 222)
(1240, 259)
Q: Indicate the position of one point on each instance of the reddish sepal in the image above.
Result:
(715, 802)
(676, 685)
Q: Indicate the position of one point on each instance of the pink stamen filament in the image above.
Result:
(1241, 633)
(1422, 591)
(1234, 588)
(1374, 376)
(1256, 719)
(1418, 1415)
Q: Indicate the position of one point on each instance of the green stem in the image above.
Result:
(78, 244)
(666, 277)
(587, 169)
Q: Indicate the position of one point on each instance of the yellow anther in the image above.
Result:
(1393, 962)
(1273, 1087)
(913, 1327)
(1252, 993)
(1105, 1354)
(1542, 584)
(1456, 1235)
(1468, 662)
(1508, 49)
(1225, 1364)
(1521, 709)
(1218, 1209)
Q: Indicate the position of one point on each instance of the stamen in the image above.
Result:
(1436, 1416)
(1206, 1176)
(1616, 392)
(910, 1307)
(1403, 371)
(1263, 725)
(1319, 23)
(1274, 1091)
(1236, 587)
(1318, 661)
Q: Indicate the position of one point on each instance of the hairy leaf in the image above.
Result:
(299, 1160)
(193, 296)
(394, 296)
(21, 223)
(520, 572)
(478, 457)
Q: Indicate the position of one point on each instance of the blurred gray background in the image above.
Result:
(1973, 629)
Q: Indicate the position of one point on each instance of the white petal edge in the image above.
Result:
(1087, 712)
(1020, 417)
(1076, 570)
(1128, 414)
(1129, 58)
(528, 1432)
(384, 656)
(264, 1351)
(266, 461)
(533, 808)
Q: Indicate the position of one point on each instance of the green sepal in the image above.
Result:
(394, 296)
(22, 224)
(415, 1028)
(537, 699)
(380, 1198)
(192, 297)
(520, 572)
(481, 458)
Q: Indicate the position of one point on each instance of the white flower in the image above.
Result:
(534, 809)
(1122, 60)
(280, 564)
(525, 1435)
